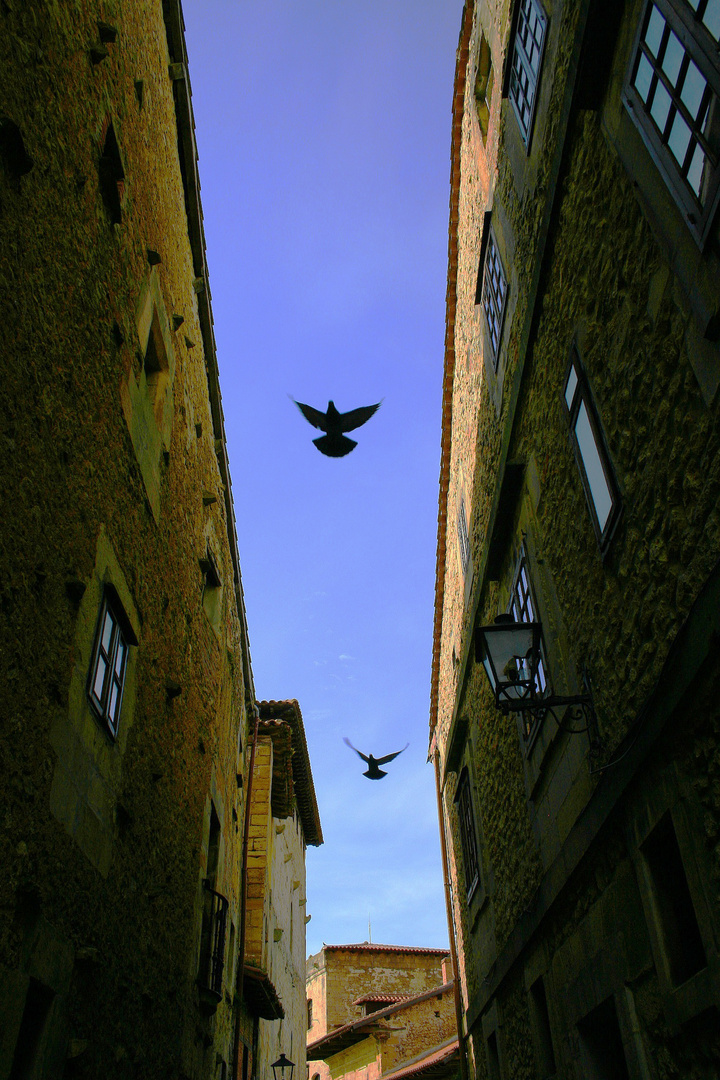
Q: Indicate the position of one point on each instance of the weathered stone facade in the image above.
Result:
(379, 1010)
(568, 852)
(127, 703)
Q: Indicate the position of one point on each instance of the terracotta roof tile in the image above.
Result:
(366, 946)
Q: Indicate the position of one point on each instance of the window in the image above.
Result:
(601, 1044)
(673, 909)
(494, 295)
(526, 61)
(493, 1056)
(483, 86)
(672, 94)
(592, 457)
(155, 365)
(463, 537)
(309, 1014)
(541, 1027)
(112, 177)
(211, 588)
(523, 609)
(33, 1028)
(468, 839)
(108, 665)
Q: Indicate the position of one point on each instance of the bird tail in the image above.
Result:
(335, 445)
(377, 775)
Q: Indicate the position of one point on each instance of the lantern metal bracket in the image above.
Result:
(511, 655)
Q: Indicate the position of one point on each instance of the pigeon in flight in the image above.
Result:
(334, 423)
(374, 771)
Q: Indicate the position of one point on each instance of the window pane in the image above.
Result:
(679, 139)
(660, 107)
(108, 625)
(654, 32)
(711, 18)
(570, 387)
(599, 490)
(99, 680)
(673, 58)
(693, 90)
(643, 77)
(114, 693)
(696, 172)
(120, 655)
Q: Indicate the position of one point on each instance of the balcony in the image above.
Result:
(212, 949)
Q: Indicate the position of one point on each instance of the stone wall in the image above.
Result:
(111, 478)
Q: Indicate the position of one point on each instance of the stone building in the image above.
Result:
(580, 493)
(380, 1011)
(284, 819)
(127, 704)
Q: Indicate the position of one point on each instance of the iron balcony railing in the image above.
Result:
(212, 952)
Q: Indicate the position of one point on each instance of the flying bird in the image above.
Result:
(334, 424)
(374, 772)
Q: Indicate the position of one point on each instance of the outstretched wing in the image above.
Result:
(356, 417)
(313, 416)
(389, 757)
(348, 743)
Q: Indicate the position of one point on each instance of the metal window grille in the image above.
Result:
(494, 295)
(673, 93)
(107, 669)
(212, 960)
(467, 835)
(526, 61)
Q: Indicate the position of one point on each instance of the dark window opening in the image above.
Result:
(541, 1025)
(38, 1003)
(13, 155)
(526, 62)
(112, 177)
(483, 86)
(155, 366)
(493, 1057)
(494, 296)
(674, 909)
(108, 665)
(309, 1013)
(213, 851)
(601, 1046)
(672, 94)
(592, 458)
(468, 837)
(211, 590)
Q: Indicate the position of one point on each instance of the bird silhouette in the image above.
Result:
(334, 423)
(374, 772)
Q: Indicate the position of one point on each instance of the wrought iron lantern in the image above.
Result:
(511, 655)
(283, 1068)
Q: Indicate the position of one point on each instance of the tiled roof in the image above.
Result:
(289, 711)
(389, 996)
(366, 946)
(348, 1034)
(437, 1062)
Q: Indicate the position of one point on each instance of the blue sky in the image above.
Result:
(323, 130)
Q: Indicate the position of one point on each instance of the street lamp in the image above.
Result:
(283, 1068)
(510, 653)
